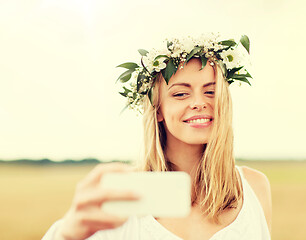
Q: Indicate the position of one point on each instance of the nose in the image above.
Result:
(198, 103)
(198, 107)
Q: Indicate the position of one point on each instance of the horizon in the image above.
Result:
(130, 160)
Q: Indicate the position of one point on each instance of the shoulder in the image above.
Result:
(261, 186)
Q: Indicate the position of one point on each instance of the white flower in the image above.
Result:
(231, 58)
(176, 48)
(176, 53)
(187, 44)
(146, 86)
(244, 55)
(152, 64)
(148, 60)
(159, 64)
(164, 51)
(218, 47)
(160, 67)
(207, 40)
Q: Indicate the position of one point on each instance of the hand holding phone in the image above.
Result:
(162, 194)
(85, 216)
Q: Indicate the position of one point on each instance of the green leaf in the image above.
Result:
(129, 65)
(243, 79)
(223, 68)
(169, 44)
(245, 41)
(248, 75)
(126, 90)
(224, 49)
(192, 53)
(241, 75)
(126, 106)
(124, 77)
(123, 94)
(229, 43)
(237, 76)
(150, 95)
(169, 71)
(160, 56)
(203, 61)
(232, 71)
(143, 52)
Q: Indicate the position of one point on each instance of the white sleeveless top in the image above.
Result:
(250, 224)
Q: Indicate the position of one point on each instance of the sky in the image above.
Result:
(58, 58)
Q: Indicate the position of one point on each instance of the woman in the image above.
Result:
(187, 113)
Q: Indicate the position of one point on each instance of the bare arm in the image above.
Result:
(85, 216)
(261, 186)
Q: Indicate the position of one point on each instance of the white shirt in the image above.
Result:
(250, 224)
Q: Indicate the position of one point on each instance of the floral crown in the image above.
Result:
(139, 80)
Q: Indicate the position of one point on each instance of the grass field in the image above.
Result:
(33, 197)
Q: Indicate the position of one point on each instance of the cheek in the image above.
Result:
(173, 117)
(211, 103)
(169, 113)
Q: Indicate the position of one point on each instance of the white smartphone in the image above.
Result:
(162, 194)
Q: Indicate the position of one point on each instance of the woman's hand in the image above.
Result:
(85, 216)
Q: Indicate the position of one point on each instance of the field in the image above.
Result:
(33, 197)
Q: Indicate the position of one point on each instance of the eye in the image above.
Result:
(211, 92)
(180, 95)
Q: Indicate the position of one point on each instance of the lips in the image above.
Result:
(199, 121)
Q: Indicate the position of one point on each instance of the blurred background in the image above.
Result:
(59, 100)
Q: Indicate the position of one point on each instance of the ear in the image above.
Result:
(160, 116)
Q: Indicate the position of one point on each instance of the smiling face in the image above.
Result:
(187, 104)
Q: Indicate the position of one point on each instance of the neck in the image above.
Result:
(184, 157)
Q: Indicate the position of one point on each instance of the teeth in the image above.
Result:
(202, 120)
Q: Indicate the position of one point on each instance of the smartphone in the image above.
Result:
(162, 194)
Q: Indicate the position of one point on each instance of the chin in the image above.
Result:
(196, 141)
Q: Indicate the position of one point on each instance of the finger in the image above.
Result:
(95, 197)
(95, 175)
(100, 220)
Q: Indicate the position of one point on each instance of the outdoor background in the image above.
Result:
(59, 100)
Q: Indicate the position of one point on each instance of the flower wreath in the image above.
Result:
(229, 54)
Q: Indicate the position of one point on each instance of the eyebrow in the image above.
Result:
(188, 85)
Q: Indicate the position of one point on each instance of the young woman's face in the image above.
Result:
(187, 104)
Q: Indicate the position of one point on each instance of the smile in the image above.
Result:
(200, 121)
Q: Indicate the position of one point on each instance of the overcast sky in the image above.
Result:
(58, 97)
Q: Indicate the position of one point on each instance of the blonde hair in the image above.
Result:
(216, 185)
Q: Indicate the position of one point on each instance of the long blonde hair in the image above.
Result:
(217, 185)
